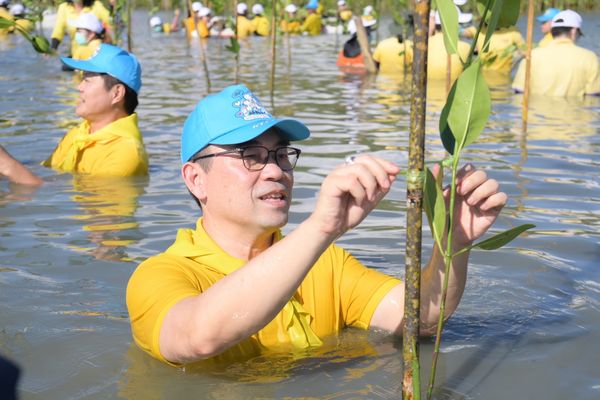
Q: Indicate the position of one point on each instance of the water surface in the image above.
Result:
(529, 322)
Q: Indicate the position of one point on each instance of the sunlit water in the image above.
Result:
(527, 328)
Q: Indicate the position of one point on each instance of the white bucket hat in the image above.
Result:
(242, 8)
(291, 8)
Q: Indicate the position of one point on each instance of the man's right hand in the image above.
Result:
(350, 192)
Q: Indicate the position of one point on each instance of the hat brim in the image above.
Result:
(82, 65)
(290, 129)
(543, 18)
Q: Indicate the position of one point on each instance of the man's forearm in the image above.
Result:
(243, 302)
(432, 280)
(15, 171)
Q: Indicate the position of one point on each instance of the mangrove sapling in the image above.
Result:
(38, 42)
(462, 120)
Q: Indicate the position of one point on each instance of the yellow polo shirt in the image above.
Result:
(545, 40)
(561, 68)
(437, 58)
(261, 25)
(312, 24)
(337, 292)
(66, 16)
(503, 44)
(244, 27)
(115, 150)
(390, 55)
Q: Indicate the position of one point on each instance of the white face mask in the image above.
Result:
(80, 38)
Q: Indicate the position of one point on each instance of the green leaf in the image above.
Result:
(508, 13)
(234, 46)
(449, 18)
(435, 207)
(40, 44)
(445, 133)
(467, 109)
(499, 240)
(6, 23)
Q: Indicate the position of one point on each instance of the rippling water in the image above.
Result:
(528, 325)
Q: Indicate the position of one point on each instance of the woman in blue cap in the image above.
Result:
(546, 25)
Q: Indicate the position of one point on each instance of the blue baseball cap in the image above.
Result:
(312, 4)
(114, 61)
(232, 116)
(548, 15)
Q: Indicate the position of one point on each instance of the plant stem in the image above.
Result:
(447, 264)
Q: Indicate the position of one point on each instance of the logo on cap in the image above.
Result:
(249, 106)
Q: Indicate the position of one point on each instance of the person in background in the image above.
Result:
(108, 141)
(312, 24)
(66, 17)
(393, 55)
(89, 36)
(344, 15)
(205, 22)
(505, 44)
(17, 11)
(235, 287)
(158, 26)
(244, 25)
(290, 23)
(437, 56)
(561, 68)
(260, 24)
(545, 21)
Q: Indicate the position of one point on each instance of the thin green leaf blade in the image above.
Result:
(449, 19)
(471, 106)
(445, 132)
(501, 239)
(6, 23)
(434, 205)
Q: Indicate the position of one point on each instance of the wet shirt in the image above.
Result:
(115, 150)
(244, 27)
(390, 55)
(261, 26)
(546, 40)
(67, 15)
(290, 26)
(312, 25)
(337, 292)
(437, 58)
(503, 44)
(561, 68)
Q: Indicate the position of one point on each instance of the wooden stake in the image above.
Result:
(411, 388)
(530, 13)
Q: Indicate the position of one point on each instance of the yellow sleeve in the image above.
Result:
(593, 85)
(155, 286)
(377, 53)
(61, 23)
(519, 81)
(361, 291)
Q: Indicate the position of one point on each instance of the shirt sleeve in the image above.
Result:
(156, 286)
(593, 85)
(61, 22)
(361, 291)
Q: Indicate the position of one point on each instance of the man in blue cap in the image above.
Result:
(108, 141)
(234, 286)
(546, 25)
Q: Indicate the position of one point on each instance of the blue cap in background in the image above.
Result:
(232, 116)
(114, 61)
(548, 15)
(312, 5)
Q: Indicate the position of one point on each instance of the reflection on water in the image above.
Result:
(527, 327)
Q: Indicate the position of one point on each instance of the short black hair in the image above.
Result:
(562, 31)
(131, 98)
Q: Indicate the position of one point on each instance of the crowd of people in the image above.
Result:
(235, 286)
(559, 67)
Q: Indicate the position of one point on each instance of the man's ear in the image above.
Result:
(118, 93)
(194, 177)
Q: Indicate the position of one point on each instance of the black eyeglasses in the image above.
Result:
(255, 158)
